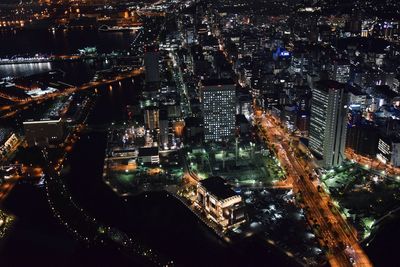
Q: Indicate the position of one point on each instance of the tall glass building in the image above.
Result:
(328, 123)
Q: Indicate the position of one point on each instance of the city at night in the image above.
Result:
(193, 133)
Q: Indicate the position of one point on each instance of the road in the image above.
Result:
(335, 234)
(374, 164)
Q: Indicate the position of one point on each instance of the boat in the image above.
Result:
(106, 28)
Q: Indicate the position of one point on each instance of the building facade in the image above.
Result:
(389, 150)
(328, 123)
(152, 118)
(219, 109)
(221, 204)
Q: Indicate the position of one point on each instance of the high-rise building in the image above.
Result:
(152, 118)
(328, 123)
(219, 109)
(151, 64)
(389, 150)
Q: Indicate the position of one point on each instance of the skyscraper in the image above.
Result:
(219, 109)
(151, 64)
(328, 122)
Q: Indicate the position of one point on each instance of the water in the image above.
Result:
(163, 223)
(383, 248)
(45, 42)
(61, 42)
(39, 240)
(76, 72)
(159, 220)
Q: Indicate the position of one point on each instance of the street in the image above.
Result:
(334, 231)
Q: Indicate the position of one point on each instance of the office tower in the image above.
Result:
(151, 64)
(219, 109)
(328, 122)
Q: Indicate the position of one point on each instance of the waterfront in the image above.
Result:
(61, 42)
(383, 243)
(76, 73)
(140, 216)
(158, 219)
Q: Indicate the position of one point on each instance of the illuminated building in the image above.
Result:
(219, 109)
(340, 71)
(221, 204)
(389, 150)
(151, 118)
(303, 121)
(299, 63)
(281, 53)
(328, 122)
(244, 104)
(7, 141)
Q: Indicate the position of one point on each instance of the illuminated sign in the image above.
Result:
(284, 54)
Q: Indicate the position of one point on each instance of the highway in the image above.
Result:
(333, 231)
(373, 164)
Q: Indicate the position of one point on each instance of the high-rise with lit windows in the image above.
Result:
(328, 122)
(219, 109)
(340, 71)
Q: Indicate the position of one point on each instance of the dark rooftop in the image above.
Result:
(384, 91)
(218, 187)
(240, 118)
(148, 151)
(329, 84)
(214, 82)
(193, 122)
(354, 89)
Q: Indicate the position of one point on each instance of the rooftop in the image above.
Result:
(216, 82)
(148, 151)
(218, 187)
(329, 84)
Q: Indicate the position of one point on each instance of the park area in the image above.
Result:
(129, 178)
(244, 165)
(363, 196)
